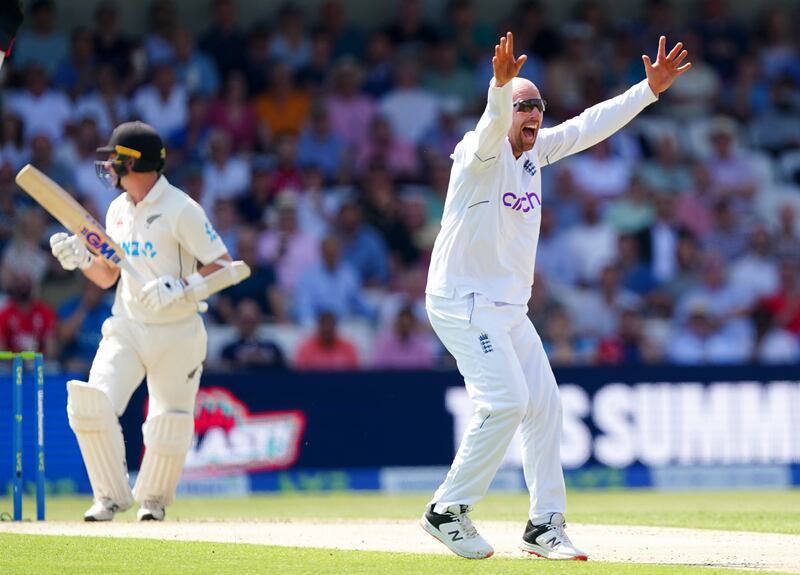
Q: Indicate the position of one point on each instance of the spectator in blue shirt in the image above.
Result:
(195, 70)
(331, 285)
(251, 351)
(38, 44)
(362, 246)
(319, 146)
(80, 322)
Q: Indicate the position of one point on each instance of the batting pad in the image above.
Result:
(92, 418)
(167, 439)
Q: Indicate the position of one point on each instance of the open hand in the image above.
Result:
(505, 66)
(662, 74)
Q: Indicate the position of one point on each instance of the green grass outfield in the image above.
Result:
(771, 511)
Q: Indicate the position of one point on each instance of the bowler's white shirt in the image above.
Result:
(167, 233)
(490, 224)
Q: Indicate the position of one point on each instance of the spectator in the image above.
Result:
(380, 66)
(694, 205)
(784, 303)
(407, 292)
(350, 111)
(346, 38)
(260, 288)
(439, 143)
(319, 146)
(291, 43)
(43, 111)
(410, 109)
(636, 276)
(190, 144)
(633, 211)
(666, 173)
(13, 152)
(24, 254)
(362, 247)
(257, 63)
(286, 174)
(772, 345)
(106, 104)
(404, 346)
(756, 272)
(628, 344)
(778, 130)
(660, 240)
(42, 158)
(727, 236)
(37, 45)
(563, 346)
(226, 224)
(409, 27)
(554, 256)
(226, 175)
(254, 206)
(382, 212)
(326, 350)
(162, 103)
(448, 78)
(314, 75)
(329, 286)
(732, 176)
(26, 323)
(233, 114)
(601, 173)
(92, 190)
(694, 98)
(75, 73)
(194, 68)
(80, 322)
(596, 312)
(111, 47)
(687, 267)
(470, 36)
(287, 248)
(384, 148)
(283, 108)
(701, 340)
(159, 45)
(543, 302)
(224, 41)
(787, 239)
(250, 351)
(593, 242)
(723, 36)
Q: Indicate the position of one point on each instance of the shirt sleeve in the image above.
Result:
(195, 233)
(480, 148)
(594, 125)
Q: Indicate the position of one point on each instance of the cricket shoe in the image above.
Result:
(454, 528)
(549, 540)
(151, 511)
(102, 509)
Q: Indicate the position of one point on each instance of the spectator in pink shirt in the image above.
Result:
(233, 114)
(285, 246)
(404, 345)
(384, 147)
(350, 111)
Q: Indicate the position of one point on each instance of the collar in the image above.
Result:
(155, 193)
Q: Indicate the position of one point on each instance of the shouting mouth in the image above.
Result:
(529, 133)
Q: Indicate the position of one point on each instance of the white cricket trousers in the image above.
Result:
(171, 355)
(510, 382)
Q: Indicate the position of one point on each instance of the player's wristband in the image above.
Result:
(192, 280)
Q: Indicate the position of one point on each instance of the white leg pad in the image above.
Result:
(167, 439)
(92, 418)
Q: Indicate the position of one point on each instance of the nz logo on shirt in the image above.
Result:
(135, 249)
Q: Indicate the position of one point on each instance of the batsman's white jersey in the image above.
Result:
(478, 287)
(167, 233)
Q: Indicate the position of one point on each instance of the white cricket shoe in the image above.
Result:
(102, 510)
(151, 511)
(454, 528)
(549, 540)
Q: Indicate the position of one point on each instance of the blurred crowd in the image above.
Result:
(321, 152)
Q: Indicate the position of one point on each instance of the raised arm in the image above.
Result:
(480, 148)
(602, 120)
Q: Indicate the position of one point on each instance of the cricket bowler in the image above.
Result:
(478, 288)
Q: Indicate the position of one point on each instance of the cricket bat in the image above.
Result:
(218, 280)
(73, 216)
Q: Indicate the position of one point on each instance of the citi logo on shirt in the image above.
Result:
(522, 204)
(135, 249)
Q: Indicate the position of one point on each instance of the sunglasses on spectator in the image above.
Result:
(526, 106)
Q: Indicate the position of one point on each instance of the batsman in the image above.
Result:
(154, 331)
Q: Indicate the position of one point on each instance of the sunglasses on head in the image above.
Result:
(526, 106)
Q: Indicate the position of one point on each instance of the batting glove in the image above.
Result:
(161, 292)
(70, 251)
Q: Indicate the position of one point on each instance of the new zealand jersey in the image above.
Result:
(490, 224)
(167, 233)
